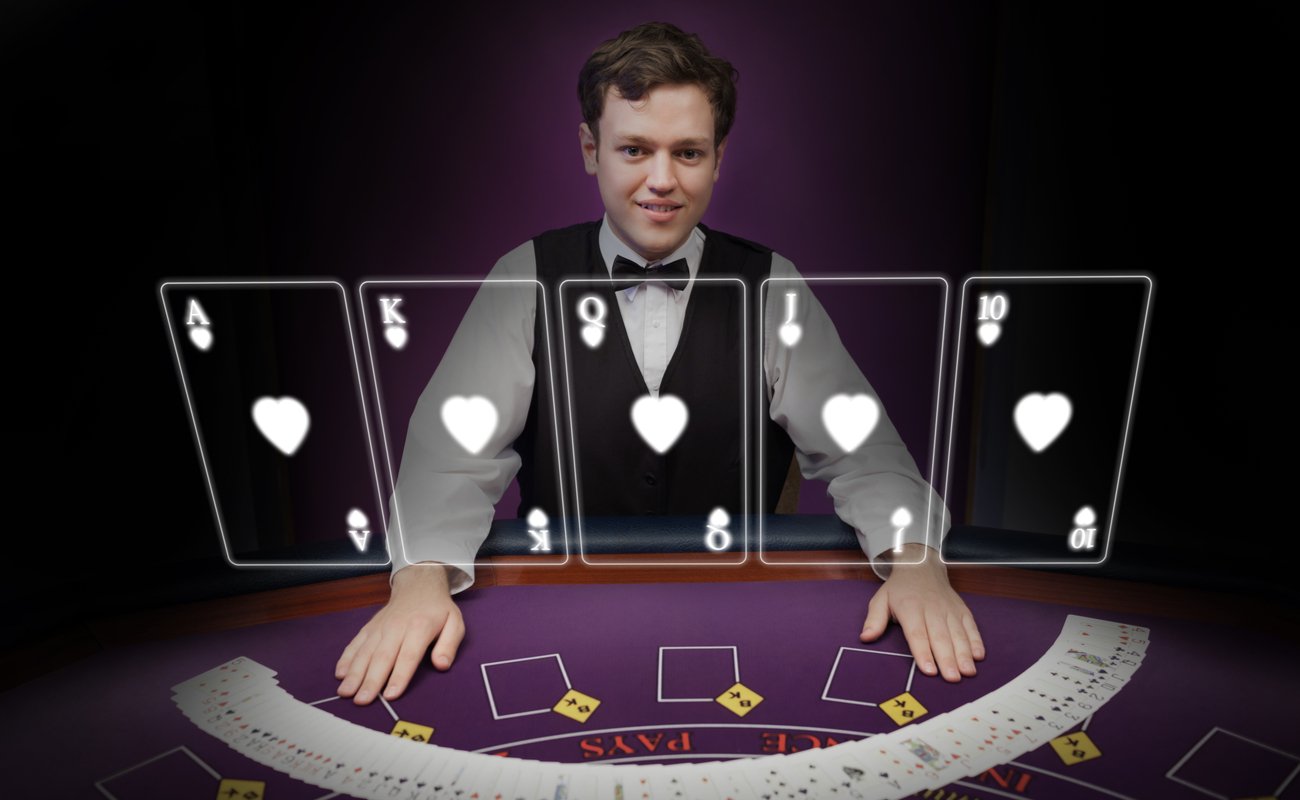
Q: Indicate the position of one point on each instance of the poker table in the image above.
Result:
(1210, 713)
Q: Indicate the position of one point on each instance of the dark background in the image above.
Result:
(145, 141)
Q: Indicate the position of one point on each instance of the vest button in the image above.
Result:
(650, 479)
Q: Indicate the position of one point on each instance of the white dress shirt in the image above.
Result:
(446, 497)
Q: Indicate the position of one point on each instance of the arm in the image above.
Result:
(867, 485)
(443, 503)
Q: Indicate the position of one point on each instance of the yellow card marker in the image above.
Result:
(409, 730)
(739, 699)
(903, 709)
(231, 789)
(1074, 748)
(576, 706)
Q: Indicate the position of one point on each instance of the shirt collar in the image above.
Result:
(610, 246)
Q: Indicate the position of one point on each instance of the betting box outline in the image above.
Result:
(1210, 734)
(1139, 353)
(383, 422)
(659, 682)
(163, 288)
(487, 683)
(911, 673)
(99, 784)
(744, 430)
(942, 282)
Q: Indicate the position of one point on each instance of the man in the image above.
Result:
(657, 111)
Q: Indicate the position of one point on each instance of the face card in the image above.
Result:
(864, 418)
(458, 366)
(271, 379)
(660, 394)
(1046, 374)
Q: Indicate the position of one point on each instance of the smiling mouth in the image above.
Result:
(662, 209)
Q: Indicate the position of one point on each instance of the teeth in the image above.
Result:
(658, 208)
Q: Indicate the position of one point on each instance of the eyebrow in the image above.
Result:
(641, 141)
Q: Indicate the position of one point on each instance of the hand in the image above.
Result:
(938, 625)
(419, 610)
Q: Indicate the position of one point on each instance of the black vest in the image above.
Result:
(619, 473)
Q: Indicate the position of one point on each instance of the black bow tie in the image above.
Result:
(628, 273)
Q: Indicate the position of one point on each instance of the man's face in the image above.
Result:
(655, 165)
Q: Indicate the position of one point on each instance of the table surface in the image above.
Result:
(1199, 677)
(1042, 586)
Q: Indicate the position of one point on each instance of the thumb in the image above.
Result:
(453, 631)
(877, 616)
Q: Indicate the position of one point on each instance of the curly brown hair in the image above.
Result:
(650, 55)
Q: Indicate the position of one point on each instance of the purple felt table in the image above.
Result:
(1223, 696)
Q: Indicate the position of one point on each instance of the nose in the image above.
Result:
(662, 178)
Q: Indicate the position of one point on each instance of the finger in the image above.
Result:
(941, 645)
(961, 647)
(973, 634)
(918, 641)
(877, 617)
(414, 643)
(357, 669)
(380, 667)
(349, 652)
(453, 632)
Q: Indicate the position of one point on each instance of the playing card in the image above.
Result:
(821, 340)
(236, 672)
(678, 414)
(442, 356)
(1045, 376)
(271, 380)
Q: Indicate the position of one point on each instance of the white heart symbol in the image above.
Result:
(850, 419)
(659, 420)
(283, 422)
(1040, 418)
(1085, 517)
(718, 517)
(201, 336)
(396, 336)
(357, 519)
(989, 333)
(789, 334)
(537, 519)
(592, 335)
(471, 421)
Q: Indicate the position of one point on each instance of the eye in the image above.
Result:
(692, 155)
(631, 150)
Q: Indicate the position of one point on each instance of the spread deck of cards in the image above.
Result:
(556, 686)
(241, 703)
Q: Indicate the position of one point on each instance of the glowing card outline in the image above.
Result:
(163, 288)
(1134, 379)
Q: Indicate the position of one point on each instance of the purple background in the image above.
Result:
(226, 138)
(860, 139)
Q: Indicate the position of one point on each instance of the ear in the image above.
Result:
(588, 141)
(717, 164)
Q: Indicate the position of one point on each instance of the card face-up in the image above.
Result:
(642, 411)
(855, 365)
(1045, 378)
(273, 387)
(455, 379)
